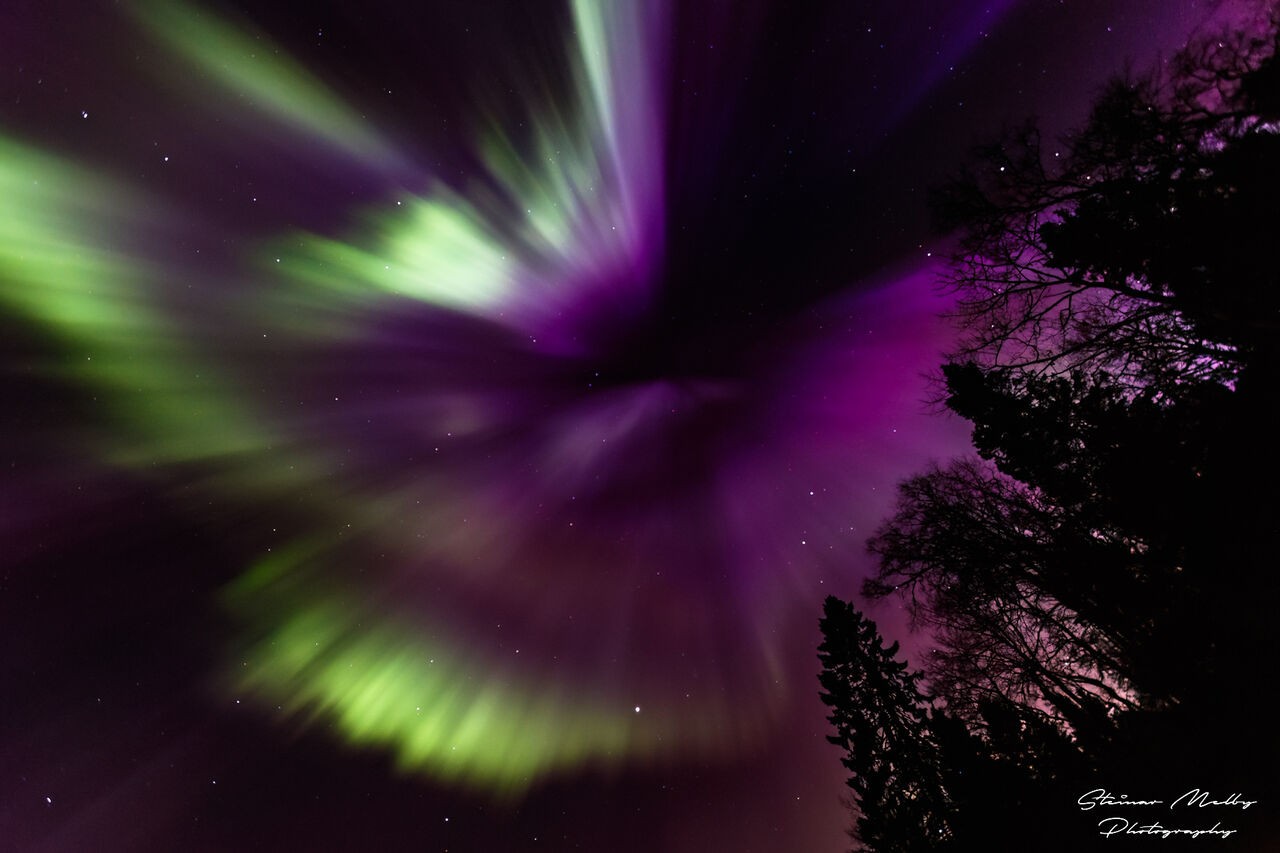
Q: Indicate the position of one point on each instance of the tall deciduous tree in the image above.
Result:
(1014, 589)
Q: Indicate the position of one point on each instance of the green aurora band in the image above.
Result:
(78, 262)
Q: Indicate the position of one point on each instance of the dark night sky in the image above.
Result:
(540, 371)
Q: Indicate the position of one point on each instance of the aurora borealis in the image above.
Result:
(525, 376)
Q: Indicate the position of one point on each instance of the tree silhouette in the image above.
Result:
(1128, 492)
(1137, 459)
(922, 780)
(1013, 589)
(1099, 583)
(1122, 309)
(880, 718)
(1142, 244)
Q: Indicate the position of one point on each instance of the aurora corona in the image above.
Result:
(495, 546)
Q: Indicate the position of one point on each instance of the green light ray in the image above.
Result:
(437, 250)
(261, 77)
(61, 267)
(439, 706)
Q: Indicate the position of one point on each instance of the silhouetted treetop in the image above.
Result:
(1026, 601)
(880, 718)
(1142, 243)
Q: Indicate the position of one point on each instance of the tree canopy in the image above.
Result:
(1141, 244)
(1098, 581)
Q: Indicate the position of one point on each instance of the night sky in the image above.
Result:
(435, 426)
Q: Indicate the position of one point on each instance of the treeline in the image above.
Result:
(1098, 583)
